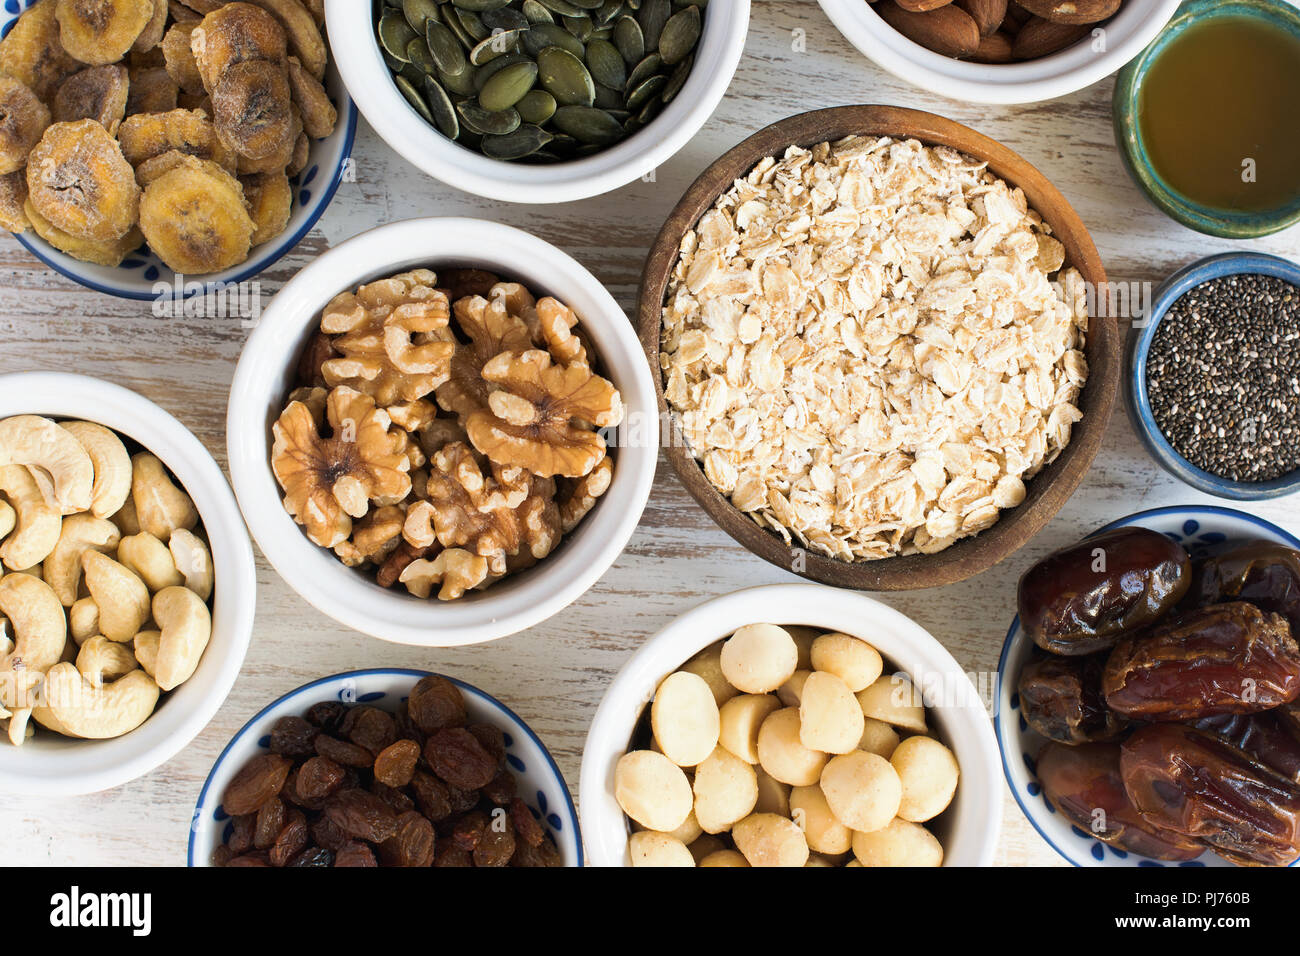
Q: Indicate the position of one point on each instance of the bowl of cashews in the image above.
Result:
(126, 585)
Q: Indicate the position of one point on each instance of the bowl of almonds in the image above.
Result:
(1000, 51)
(442, 432)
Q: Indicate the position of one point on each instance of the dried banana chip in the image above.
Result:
(97, 92)
(101, 31)
(269, 198)
(194, 219)
(109, 253)
(302, 33)
(13, 197)
(179, 58)
(301, 156)
(152, 169)
(32, 53)
(78, 180)
(233, 34)
(153, 31)
(152, 91)
(251, 109)
(318, 113)
(147, 135)
(23, 118)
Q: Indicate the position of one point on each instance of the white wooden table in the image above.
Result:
(555, 674)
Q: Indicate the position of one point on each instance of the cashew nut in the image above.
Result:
(121, 597)
(101, 660)
(160, 506)
(83, 620)
(81, 533)
(77, 708)
(38, 526)
(8, 518)
(192, 559)
(39, 625)
(111, 463)
(127, 521)
(146, 650)
(149, 558)
(61, 467)
(19, 728)
(186, 627)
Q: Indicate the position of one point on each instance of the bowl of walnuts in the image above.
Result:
(155, 149)
(442, 432)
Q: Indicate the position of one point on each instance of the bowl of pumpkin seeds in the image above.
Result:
(537, 101)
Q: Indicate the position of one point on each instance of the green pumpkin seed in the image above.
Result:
(478, 6)
(413, 97)
(651, 109)
(563, 7)
(647, 68)
(418, 13)
(446, 49)
(493, 67)
(652, 17)
(641, 94)
(609, 11)
(413, 74)
(390, 61)
(472, 26)
(395, 33)
(678, 78)
(564, 77)
(606, 64)
(504, 19)
(680, 34)
(579, 27)
(630, 40)
(488, 122)
(543, 35)
(494, 46)
(418, 55)
(587, 4)
(536, 13)
(536, 107)
(588, 125)
(563, 143)
(524, 141)
(444, 114)
(508, 87)
(607, 99)
(462, 83)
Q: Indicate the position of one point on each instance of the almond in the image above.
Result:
(1072, 11)
(947, 30)
(1039, 37)
(987, 14)
(922, 6)
(1016, 16)
(994, 48)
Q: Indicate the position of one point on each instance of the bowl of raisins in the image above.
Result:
(386, 767)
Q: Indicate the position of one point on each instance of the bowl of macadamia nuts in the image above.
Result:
(791, 725)
(443, 431)
(127, 586)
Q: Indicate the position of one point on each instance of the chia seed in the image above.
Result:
(1223, 377)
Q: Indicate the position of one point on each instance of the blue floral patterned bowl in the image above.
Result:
(540, 782)
(1197, 528)
(143, 276)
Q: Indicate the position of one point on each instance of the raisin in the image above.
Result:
(406, 729)
(435, 703)
(369, 727)
(222, 855)
(397, 799)
(325, 832)
(411, 845)
(362, 814)
(526, 825)
(313, 856)
(457, 757)
(545, 854)
(432, 796)
(355, 854)
(498, 843)
(448, 854)
(270, 821)
(318, 778)
(462, 801)
(327, 715)
(468, 830)
(500, 788)
(256, 858)
(291, 839)
(257, 782)
(292, 737)
(241, 834)
(492, 739)
(340, 751)
(395, 765)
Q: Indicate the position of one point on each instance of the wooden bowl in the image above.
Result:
(1046, 492)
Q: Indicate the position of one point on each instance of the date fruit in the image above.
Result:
(1061, 699)
(1261, 572)
(1222, 659)
(1266, 737)
(1083, 598)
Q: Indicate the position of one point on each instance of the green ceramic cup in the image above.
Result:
(1124, 108)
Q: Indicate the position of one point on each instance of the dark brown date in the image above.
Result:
(1060, 698)
(1261, 572)
(1222, 659)
(1083, 782)
(1082, 598)
(1200, 785)
(1266, 737)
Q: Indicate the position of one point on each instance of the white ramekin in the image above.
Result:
(1080, 65)
(370, 84)
(970, 826)
(265, 375)
(49, 764)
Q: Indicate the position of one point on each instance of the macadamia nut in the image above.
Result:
(649, 848)
(893, 699)
(768, 840)
(652, 790)
(901, 843)
(684, 718)
(878, 737)
(708, 664)
(811, 812)
(759, 658)
(783, 755)
(862, 789)
(741, 717)
(928, 772)
(855, 662)
(726, 789)
(830, 719)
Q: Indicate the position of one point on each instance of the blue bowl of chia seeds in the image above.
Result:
(1213, 379)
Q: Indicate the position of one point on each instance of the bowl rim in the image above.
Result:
(1015, 636)
(1049, 489)
(1045, 78)
(66, 395)
(410, 136)
(1210, 220)
(635, 682)
(465, 687)
(1139, 346)
(340, 592)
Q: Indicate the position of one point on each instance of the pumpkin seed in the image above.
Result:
(680, 34)
(651, 87)
(543, 35)
(445, 48)
(606, 64)
(394, 34)
(508, 87)
(462, 83)
(472, 26)
(478, 6)
(587, 4)
(505, 19)
(444, 114)
(536, 107)
(652, 17)
(536, 13)
(413, 97)
(418, 13)
(418, 55)
(493, 67)
(563, 7)
(588, 125)
(565, 78)
(494, 46)
(488, 122)
(630, 40)
(644, 70)
(678, 79)
(607, 99)
(413, 74)
(652, 109)
(579, 27)
(524, 141)
(608, 12)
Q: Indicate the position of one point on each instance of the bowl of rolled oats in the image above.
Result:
(429, 431)
(870, 327)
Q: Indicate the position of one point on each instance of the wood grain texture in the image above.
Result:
(554, 675)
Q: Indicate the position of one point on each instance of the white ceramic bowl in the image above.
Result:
(1071, 69)
(356, 49)
(968, 829)
(540, 783)
(142, 275)
(266, 370)
(49, 764)
(1197, 528)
